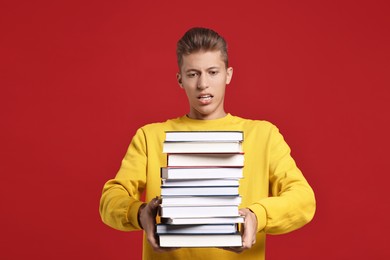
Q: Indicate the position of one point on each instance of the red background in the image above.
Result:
(79, 77)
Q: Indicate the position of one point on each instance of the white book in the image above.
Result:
(200, 200)
(181, 240)
(197, 229)
(201, 172)
(199, 182)
(204, 220)
(201, 159)
(199, 211)
(203, 147)
(199, 191)
(204, 136)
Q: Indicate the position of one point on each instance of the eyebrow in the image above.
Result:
(210, 68)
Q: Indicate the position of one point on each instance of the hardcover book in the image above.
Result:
(199, 211)
(211, 136)
(204, 220)
(199, 182)
(197, 229)
(201, 172)
(200, 200)
(198, 240)
(209, 159)
(203, 147)
(199, 191)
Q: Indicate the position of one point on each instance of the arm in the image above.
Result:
(120, 204)
(147, 219)
(120, 200)
(292, 201)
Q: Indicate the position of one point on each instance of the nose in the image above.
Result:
(202, 82)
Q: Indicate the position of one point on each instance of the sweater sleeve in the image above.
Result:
(291, 203)
(120, 200)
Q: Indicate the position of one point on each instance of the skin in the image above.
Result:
(203, 76)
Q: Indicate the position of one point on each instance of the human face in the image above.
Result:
(204, 76)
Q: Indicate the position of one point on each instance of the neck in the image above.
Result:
(200, 116)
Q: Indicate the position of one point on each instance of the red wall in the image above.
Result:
(79, 77)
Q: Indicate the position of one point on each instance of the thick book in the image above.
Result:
(200, 200)
(204, 220)
(203, 159)
(199, 182)
(197, 229)
(183, 136)
(203, 147)
(198, 212)
(198, 240)
(199, 191)
(201, 172)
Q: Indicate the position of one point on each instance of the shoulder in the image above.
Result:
(254, 123)
(158, 127)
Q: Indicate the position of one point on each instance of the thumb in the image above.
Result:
(154, 204)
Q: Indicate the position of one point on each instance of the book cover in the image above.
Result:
(203, 220)
(212, 136)
(198, 240)
(201, 172)
(202, 147)
(199, 182)
(200, 200)
(199, 211)
(199, 191)
(197, 229)
(208, 159)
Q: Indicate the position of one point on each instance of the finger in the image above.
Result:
(242, 212)
(153, 241)
(154, 203)
(248, 239)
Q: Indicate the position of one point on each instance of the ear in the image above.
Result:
(229, 75)
(178, 78)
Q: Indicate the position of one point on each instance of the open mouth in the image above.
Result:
(205, 97)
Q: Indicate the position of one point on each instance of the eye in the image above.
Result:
(213, 72)
(192, 74)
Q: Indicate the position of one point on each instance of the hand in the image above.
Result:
(249, 230)
(147, 218)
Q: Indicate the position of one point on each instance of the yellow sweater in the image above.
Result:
(273, 187)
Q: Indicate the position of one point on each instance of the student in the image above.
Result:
(276, 198)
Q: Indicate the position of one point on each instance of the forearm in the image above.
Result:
(292, 202)
(118, 209)
(286, 212)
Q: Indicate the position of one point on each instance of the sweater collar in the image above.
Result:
(209, 123)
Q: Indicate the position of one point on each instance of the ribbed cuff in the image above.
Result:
(132, 214)
(261, 215)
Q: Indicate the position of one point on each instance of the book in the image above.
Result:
(199, 182)
(199, 211)
(202, 147)
(200, 200)
(203, 159)
(197, 229)
(204, 220)
(198, 240)
(201, 172)
(211, 136)
(199, 191)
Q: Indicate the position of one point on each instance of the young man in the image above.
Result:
(276, 198)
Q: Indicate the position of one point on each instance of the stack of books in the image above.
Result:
(199, 189)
